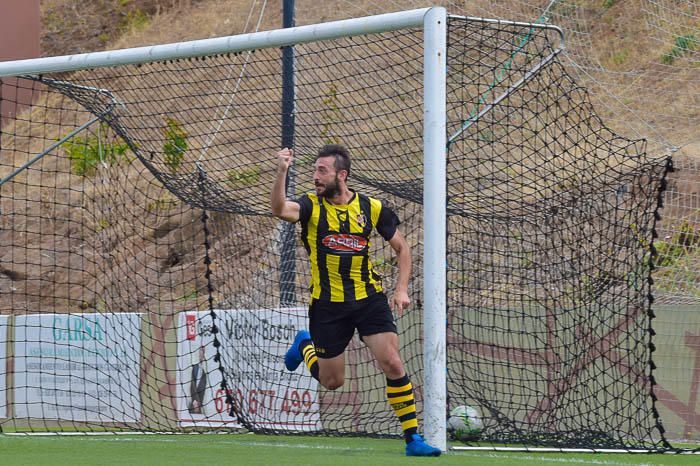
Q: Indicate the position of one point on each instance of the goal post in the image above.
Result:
(435, 228)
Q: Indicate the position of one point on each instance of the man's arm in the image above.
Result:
(400, 299)
(281, 207)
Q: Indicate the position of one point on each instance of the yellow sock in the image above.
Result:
(399, 392)
(308, 352)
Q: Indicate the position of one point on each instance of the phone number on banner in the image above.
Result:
(260, 402)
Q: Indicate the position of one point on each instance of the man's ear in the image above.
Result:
(343, 175)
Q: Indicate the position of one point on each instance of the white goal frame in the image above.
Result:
(433, 21)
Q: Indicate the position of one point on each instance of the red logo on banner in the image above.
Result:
(191, 323)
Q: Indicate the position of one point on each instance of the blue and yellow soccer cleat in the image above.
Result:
(293, 357)
(418, 447)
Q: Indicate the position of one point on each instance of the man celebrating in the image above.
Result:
(346, 293)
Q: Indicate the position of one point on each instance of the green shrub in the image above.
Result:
(175, 144)
(620, 56)
(132, 17)
(330, 115)
(189, 296)
(680, 47)
(87, 153)
(165, 203)
(238, 178)
(682, 243)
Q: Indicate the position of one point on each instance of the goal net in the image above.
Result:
(140, 278)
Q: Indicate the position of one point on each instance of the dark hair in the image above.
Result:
(341, 154)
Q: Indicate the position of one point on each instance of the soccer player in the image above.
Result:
(346, 293)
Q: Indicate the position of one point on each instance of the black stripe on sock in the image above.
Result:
(398, 382)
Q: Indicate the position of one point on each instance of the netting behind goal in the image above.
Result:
(549, 274)
(141, 268)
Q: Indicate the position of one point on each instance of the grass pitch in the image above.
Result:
(259, 450)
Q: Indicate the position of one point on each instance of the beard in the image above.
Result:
(330, 190)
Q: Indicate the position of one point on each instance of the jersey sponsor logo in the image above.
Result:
(343, 242)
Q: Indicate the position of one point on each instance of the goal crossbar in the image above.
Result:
(220, 45)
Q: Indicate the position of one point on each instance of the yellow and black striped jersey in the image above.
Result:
(337, 238)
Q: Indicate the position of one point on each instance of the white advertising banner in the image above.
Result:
(253, 344)
(79, 367)
(3, 366)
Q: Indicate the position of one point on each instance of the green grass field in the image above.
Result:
(259, 450)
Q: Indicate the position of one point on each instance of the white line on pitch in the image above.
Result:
(550, 459)
(181, 439)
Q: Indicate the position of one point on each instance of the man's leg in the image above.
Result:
(399, 390)
(330, 372)
(324, 355)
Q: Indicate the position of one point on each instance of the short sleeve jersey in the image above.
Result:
(337, 238)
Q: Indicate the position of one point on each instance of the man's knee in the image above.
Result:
(331, 371)
(333, 381)
(391, 365)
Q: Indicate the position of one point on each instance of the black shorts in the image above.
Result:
(332, 325)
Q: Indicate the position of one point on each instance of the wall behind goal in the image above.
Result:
(20, 395)
(678, 361)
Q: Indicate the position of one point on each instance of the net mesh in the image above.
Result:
(141, 272)
(548, 282)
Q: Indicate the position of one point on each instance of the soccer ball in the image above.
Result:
(464, 424)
